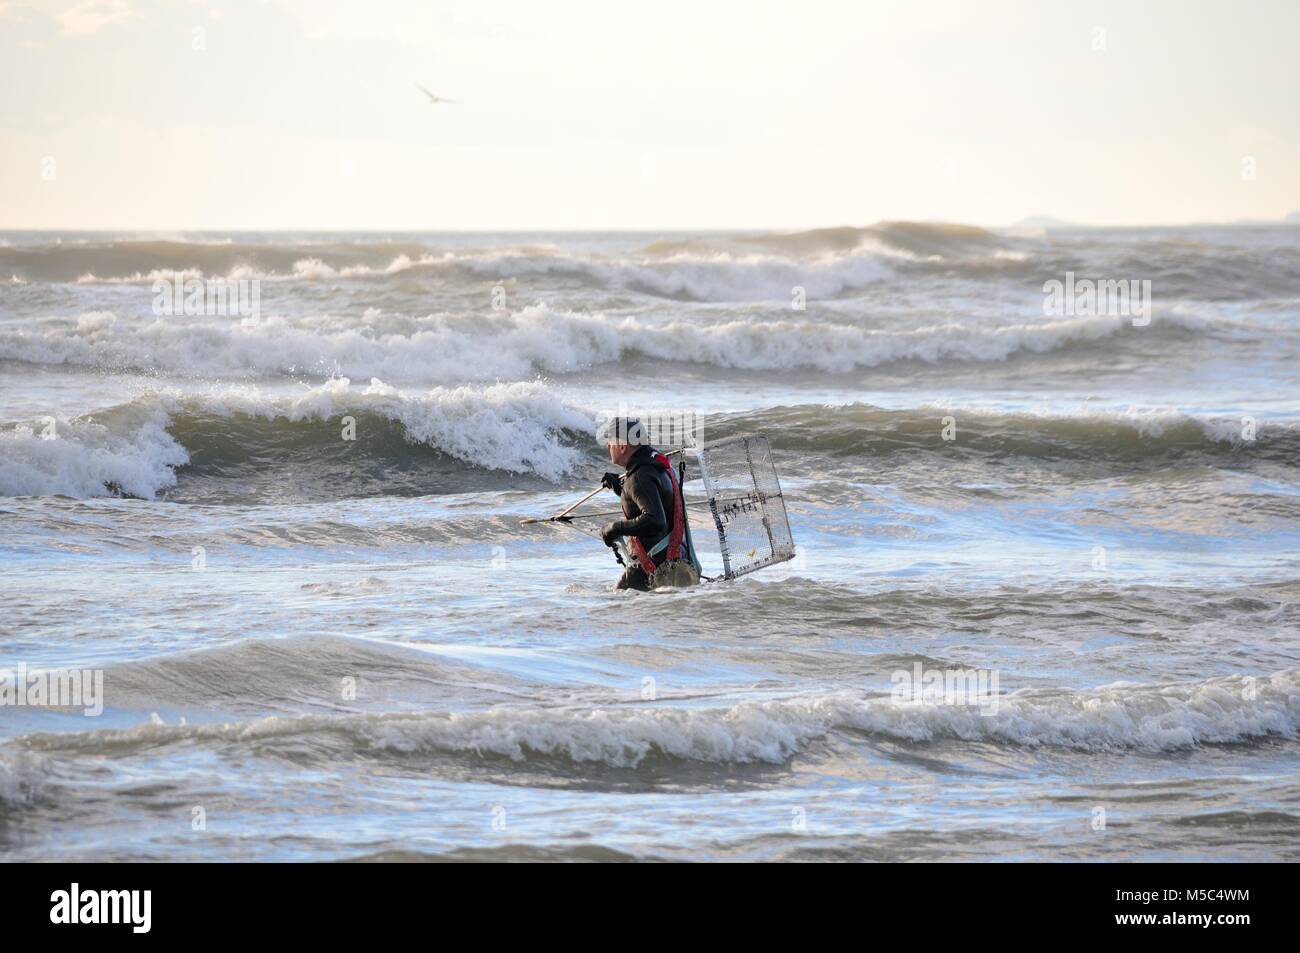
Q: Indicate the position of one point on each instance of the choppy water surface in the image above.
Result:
(314, 648)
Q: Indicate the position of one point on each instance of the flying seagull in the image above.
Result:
(432, 98)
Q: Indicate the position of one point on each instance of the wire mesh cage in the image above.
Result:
(746, 502)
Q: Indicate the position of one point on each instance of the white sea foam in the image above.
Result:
(718, 276)
(1149, 718)
(439, 348)
(81, 457)
(446, 348)
(315, 268)
(697, 276)
(1150, 423)
(1120, 717)
(156, 274)
(514, 427)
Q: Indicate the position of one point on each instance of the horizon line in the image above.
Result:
(1291, 219)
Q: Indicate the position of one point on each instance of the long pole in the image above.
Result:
(562, 517)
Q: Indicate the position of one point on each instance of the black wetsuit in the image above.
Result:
(649, 503)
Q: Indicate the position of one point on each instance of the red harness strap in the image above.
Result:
(679, 526)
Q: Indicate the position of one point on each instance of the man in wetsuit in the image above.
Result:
(654, 510)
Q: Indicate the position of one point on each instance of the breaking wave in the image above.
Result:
(826, 262)
(1120, 717)
(538, 340)
(140, 260)
(234, 443)
(82, 457)
(137, 259)
(242, 442)
(1137, 434)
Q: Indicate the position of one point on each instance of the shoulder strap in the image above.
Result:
(673, 541)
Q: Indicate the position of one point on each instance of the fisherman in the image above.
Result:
(655, 523)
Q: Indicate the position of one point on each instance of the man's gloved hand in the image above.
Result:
(609, 534)
(612, 481)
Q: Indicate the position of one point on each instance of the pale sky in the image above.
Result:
(162, 114)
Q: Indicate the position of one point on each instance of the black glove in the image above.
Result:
(612, 481)
(610, 534)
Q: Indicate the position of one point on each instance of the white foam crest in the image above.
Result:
(700, 277)
(80, 457)
(535, 339)
(838, 348)
(716, 276)
(437, 348)
(1121, 717)
(517, 427)
(157, 274)
(313, 268)
(309, 268)
(507, 426)
(1111, 718)
(1149, 422)
(1149, 718)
